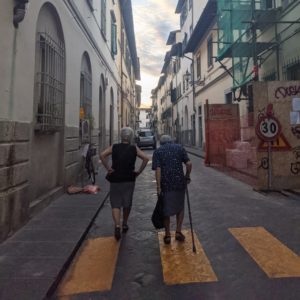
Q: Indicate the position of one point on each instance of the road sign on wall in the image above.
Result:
(268, 128)
(280, 144)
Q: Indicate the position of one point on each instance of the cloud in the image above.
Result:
(153, 21)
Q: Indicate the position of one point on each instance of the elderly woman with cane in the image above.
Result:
(122, 176)
(171, 182)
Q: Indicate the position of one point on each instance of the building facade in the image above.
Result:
(222, 55)
(144, 118)
(62, 85)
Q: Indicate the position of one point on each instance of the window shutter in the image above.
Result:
(114, 48)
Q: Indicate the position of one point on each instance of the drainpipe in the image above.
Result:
(12, 77)
(18, 16)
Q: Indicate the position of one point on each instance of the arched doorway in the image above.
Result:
(47, 147)
(102, 127)
(86, 98)
(186, 126)
(111, 117)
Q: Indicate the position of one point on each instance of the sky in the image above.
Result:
(153, 21)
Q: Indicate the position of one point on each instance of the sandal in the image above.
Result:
(117, 233)
(125, 228)
(167, 239)
(179, 236)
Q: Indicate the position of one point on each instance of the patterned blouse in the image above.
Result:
(169, 157)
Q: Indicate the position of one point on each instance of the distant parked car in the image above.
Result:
(146, 138)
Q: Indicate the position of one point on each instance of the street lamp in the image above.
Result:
(188, 77)
(19, 12)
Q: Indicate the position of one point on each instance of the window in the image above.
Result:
(184, 42)
(228, 98)
(184, 13)
(103, 17)
(192, 74)
(85, 88)
(269, 4)
(198, 66)
(293, 72)
(50, 72)
(209, 52)
(174, 67)
(178, 90)
(128, 60)
(114, 47)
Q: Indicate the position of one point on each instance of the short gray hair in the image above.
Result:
(165, 139)
(126, 134)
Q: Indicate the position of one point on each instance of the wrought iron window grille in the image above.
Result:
(50, 84)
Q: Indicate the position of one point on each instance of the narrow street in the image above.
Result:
(81, 79)
(241, 232)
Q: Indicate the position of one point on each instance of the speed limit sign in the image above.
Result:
(268, 128)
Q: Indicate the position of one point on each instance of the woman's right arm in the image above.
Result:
(103, 157)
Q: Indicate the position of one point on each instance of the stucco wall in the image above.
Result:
(34, 168)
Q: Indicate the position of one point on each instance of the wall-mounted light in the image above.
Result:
(19, 12)
(188, 77)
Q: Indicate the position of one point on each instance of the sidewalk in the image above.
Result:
(195, 151)
(31, 260)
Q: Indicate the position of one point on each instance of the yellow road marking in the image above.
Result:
(181, 265)
(275, 259)
(93, 269)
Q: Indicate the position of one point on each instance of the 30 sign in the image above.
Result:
(268, 128)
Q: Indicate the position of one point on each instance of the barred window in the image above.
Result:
(293, 72)
(85, 88)
(291, 69)
(50, 76)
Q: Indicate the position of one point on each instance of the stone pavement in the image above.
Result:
(219, 203)
(195, 151)
(32, 259)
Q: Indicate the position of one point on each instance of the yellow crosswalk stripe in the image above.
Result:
(181, 265)
(274, 258)
(93, 268)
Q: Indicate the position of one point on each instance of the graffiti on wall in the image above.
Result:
(264, 163)
(284, 92)
(296, 131)
(295, 166)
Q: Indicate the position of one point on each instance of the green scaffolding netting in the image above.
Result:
(236, 39)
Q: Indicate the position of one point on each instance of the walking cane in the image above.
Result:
(190, 217)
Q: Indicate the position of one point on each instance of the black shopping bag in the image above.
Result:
(158, 213)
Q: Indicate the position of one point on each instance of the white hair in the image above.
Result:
(126, 134)
(165, 139)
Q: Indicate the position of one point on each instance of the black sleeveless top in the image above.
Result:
(123, 161)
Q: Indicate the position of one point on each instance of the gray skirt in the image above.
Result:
(121, 194)
(173, 202)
